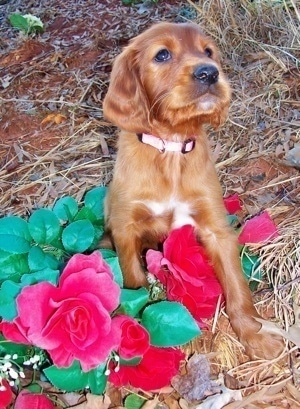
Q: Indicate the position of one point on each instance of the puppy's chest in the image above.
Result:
(181, 211)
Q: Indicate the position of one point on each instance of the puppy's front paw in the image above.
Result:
(262, 346)
(257, 345)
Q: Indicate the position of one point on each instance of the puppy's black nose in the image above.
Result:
(207, 74)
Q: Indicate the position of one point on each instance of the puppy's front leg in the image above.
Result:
(128, 247)
(221, 245)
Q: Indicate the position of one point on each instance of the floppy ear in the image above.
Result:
(126, 104)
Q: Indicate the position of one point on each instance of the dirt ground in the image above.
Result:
(54, 140)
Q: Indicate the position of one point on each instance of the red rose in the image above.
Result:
(184, 269)
(6, 395)
(71, 321)
(27, 400)
(156, 369)
(135, 339)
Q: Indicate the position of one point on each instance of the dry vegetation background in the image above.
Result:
(54, 140)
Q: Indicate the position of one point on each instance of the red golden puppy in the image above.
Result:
(165, 87)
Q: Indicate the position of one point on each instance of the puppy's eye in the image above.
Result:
(208, 52)
(163, 55)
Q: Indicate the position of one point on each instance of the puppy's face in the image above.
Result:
(181, 68)
(173, 75)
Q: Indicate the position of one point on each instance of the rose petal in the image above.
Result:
(26, 400)
(258, 229)
(80, 262)
(186, 272)
(232, 203)
(32, 320)
(6, 395)
(90, 281)
(135, 339)
(156, 369)
(154, 261)
(14, 331)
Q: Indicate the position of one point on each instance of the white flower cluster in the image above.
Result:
(9, 370)
(34, 361)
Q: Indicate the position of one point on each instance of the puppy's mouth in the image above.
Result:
(207, 100)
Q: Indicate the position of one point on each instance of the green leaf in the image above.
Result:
(12, 265)
(134, 401)
(39, 260)
(10, 290)
(132, 301)
(8, 293)
(251, 268)
(14, 244)
(86, 213)
(99, 231)
(12, 348)
(67, 379)
(47, 274)
(78, 236)
(44, 226)
(16, 226)
(232, 219)
(34, 24)
(65, 208)
(34, 388)
(73, 378)
(112, 260)
(18, 21)
(169, 324)
(97, 380)
(94, 200)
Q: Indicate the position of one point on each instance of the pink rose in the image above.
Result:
(26, 400)
(135, 339)
(71, 321)
(156, 369)
(184, 269)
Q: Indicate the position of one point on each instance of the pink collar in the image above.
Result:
(167, 146)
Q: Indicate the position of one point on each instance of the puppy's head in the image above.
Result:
(168, 77)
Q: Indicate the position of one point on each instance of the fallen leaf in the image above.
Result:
(292, 335)
(171, 403)
(94, 402)
(151, 404)
(71, 398)
(196, 382)
(56, 118)
(295, 393)
(293, 157)
(183, 404)
(219, 400)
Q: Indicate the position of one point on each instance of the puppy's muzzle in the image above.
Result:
(206, 74)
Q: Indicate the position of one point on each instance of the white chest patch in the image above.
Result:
(182, 213)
